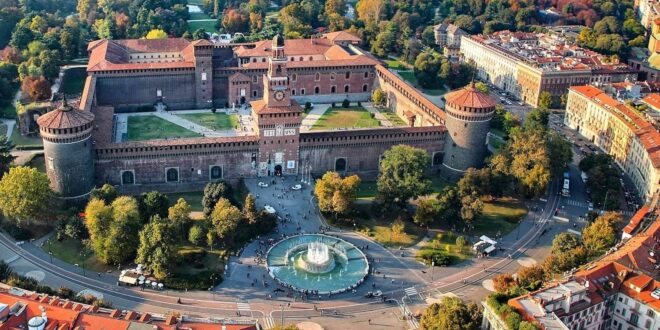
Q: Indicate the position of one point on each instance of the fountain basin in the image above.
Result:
(317, 262)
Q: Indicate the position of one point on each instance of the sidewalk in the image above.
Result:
(313, 116)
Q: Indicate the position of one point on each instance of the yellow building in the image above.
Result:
(620, 131)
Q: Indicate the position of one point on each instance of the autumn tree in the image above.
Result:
(370, 10)
(601, 234)
(250, 210)
(451, 314)
(24, 193)
(427, 210)
(402, 174)
(225, 219)
(113, 229)
(156, 34)
(212, 194)
(336, 194)
(106, 193)
(531, 276)
(378, 97)
(179, 216)
(235, 20)
(35, 88)
(471, 208)
(196, 235)
(502, 283)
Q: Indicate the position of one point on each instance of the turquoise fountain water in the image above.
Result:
(317, 262)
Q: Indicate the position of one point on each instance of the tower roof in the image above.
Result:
(65, 116)
(470, 96)
(278, 41)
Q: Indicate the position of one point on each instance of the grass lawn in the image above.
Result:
(38, 162)
(196, 2)
(445, 243)
(202, 15)
(409, 76)
(393, 118)
(194, 199)
(215, 121)
(367, 190)
(73, 85)
(352, 117)
(380, 228)
(500, 216)
(208, 26)
(151, 127)
(395, 64)
(68, 251)
(8, 112)
(21, 141)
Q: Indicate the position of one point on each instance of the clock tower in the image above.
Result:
(276, 81)
(277, 119)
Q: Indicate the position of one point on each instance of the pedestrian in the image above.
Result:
(369, 321)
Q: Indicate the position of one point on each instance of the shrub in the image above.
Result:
(198, 281)
(359, 104)
(428, 256)
(213, 109)
(333, 104)
(345, 103)
(18, 233)
(192, 255)
(308, 106)
(513, 320)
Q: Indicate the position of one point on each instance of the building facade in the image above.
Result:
(528, 64)
(274, 78)
(631, 140)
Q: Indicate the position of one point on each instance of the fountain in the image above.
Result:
(335, 265)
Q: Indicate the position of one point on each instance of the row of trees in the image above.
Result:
(603, 180)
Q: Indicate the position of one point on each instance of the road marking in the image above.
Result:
(269, 323)
(243, 307)
(412, 322)
(411, 291)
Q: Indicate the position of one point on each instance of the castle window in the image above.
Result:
(346, 89)
(310, 58)
(301, 58)
(293, 59)
(293, 92)
(317, 77)
(254, 60)
(340, 165)
(263, 60)
(333, 76)
(366, 74)
(254, 93)
(255, 79)
(172, 174)
(215, 172)
(316, 90)
(348, 75)
(294, 77)
(333, 89)
(127, 177)
(302, 91)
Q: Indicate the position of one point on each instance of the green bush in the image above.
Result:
(333, 104)
(345, 103)
(192, 255)
(199, 281)
(359, 104)
(430, 255)
(513, 320)
(16, 232)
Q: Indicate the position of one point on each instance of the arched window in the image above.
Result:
(294, 77)
(317, 76)
(301, 58)
(127, 177)
(293, 92)
(364, 87)
(263, 59)
(316, 90)
(346, 89)
(254, 93)
(216, 172)
(172, 175)
(333, 89)
(340, 165)
(302, 91)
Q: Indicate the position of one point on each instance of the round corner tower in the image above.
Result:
(469, 113)
(66, 133)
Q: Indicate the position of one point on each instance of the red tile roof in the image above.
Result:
(114, 54)
(65, 117)
(470, 96)
(260, 107)
(636, 220)
(340, 36)
(653, 100)
(292, 47)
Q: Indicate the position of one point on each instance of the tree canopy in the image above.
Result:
(24, 193)
(402, 174)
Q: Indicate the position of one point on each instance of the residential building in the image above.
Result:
(527, 64)
(448, 35)
(622, 132)
(620, 291)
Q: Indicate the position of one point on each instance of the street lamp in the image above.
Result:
(50, 250)
(282, 315)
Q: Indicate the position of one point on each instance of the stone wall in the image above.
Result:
(361, 150)
(70, 167)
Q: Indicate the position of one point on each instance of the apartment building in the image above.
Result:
(527, 64)
(619, 292)
(622, 132)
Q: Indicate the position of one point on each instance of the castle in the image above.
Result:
(274, 77)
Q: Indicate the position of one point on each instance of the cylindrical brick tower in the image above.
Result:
(469, 112)
(66, 133)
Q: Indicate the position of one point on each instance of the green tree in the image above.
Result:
(398, 228)
(107, 193)
(545, 100)
(449, 204)
(601, 234)
(24, 193)
(179, 216)
(427, 210)
(560, 153)
(156, 250)
(451, 314)
(482, 87)
(113, 229)
(5, 155)
(427, 68)
(156, 34)
(199, 34)
(378, 97)
(250, 209)
(153, 203)
(402, 174)
(471, 207)
(428, 36)
(225, 219)
(212, 194)
(196, 235)
(461, 242)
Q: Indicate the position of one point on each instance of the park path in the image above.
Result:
(313, 116)
(379, 116)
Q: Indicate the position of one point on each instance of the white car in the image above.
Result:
(262, 184)
(269, 209)
(296, 187)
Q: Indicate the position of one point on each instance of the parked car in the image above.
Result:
(262, 184)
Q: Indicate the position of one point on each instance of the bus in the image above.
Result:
(565, 190)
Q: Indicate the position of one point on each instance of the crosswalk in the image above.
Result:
(572, 202)
(411, 291)
(244, 307)
(412, 322)
(269, 322)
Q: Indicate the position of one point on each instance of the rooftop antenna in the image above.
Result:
(64, 103)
